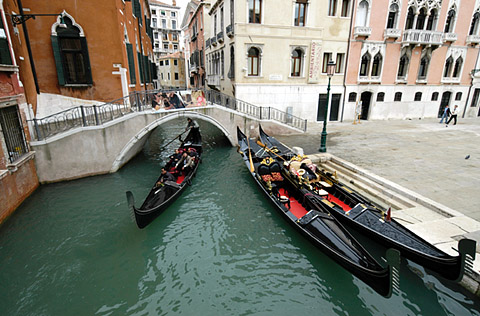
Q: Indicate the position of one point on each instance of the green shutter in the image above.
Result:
(131, 64)
(86, 59)
(140, 67)
(148, 74)
(58, 60)
(5, 57)
(137, 10)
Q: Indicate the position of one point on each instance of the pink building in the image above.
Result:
(411, 58)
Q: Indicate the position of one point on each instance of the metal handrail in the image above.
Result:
(139, 101)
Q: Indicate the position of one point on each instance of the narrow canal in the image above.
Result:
(221, 249)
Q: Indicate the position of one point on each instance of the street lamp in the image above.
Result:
(323, 142)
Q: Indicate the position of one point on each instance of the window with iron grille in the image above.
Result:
(12, 131)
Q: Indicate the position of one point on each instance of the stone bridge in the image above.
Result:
(100, 149)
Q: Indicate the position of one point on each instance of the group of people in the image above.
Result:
(449, 115)
(167, 101)
(180, 161)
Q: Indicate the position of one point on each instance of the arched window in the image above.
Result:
(71, 53)
(458, 96)
(377, 65)
(432, 20)
(435, 96)
(253, 61)
(448, 67)
(392, 16)
(352, 97)
(449, 23)
(362, 13)
(474, 25)
(410, 18)
(380, 96)
(297, 56)
(422, 71)
(458, 67)
(418, 96)
(398, 97)
(403, 66)
(365, 65)
(422, 15)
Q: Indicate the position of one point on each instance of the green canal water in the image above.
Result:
(221, 249)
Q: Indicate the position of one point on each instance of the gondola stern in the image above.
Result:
(131, 206)
(393, 262)
(467, 250)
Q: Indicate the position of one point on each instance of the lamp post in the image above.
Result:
(323, 142)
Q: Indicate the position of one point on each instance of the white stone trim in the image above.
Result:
(65, 14)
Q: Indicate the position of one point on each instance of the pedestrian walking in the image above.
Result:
(446, 114)
(453, 116)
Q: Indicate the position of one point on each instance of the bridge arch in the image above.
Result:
(135, 144)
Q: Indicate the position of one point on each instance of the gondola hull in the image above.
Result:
(324, 231)
(356, 212)
(161, 197)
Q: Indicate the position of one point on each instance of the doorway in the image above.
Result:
(365, 98)
(446, 96)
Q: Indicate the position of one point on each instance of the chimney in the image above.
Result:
(174, 3)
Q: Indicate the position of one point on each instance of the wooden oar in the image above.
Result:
(269, 150)
(163, 147)
(252, 168)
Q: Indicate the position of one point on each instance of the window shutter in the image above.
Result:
(140, 67)
(86, 60)
(58, 60)
(131, 64)
(148, 74)
(154, 71)
(5, 57)
(137, 10)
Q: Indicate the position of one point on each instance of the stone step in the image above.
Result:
(371, 190)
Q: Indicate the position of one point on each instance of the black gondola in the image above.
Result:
(161, 196)
(356, 211)
(319, 227)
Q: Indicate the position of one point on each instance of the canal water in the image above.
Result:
(72, 249)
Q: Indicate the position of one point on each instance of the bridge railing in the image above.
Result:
(260, 112)
(139, 101)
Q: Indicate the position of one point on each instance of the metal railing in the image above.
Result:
(259, 112)
(139, 101)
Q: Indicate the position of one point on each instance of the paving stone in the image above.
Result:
(436, 232)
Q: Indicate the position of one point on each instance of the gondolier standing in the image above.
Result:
(195, 131)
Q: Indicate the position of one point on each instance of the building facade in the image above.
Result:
(411, 58)
(18, 178)
(83, 56)
(194, 28)
(171, 71)
(272, 53)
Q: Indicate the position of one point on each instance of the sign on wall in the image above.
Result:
(315, 65)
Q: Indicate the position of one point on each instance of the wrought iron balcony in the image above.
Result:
(473, 39)
(213, 80)
(220, 37)
(229, 30)
(421, 37)
(392, 33)
(450, 37)
(362, 31)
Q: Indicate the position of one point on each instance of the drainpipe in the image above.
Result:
(29, 49)
(346, 61)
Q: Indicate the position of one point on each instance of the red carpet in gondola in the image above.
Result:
(295, 207)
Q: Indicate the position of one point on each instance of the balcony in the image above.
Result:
(213, 80)
(366, 79)
(421, 37)
(220, 37)
(362, 31)
(207, 43)
(450, 37)
(392, 33)
(473, 39)
(214, 41)
(230, 32)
